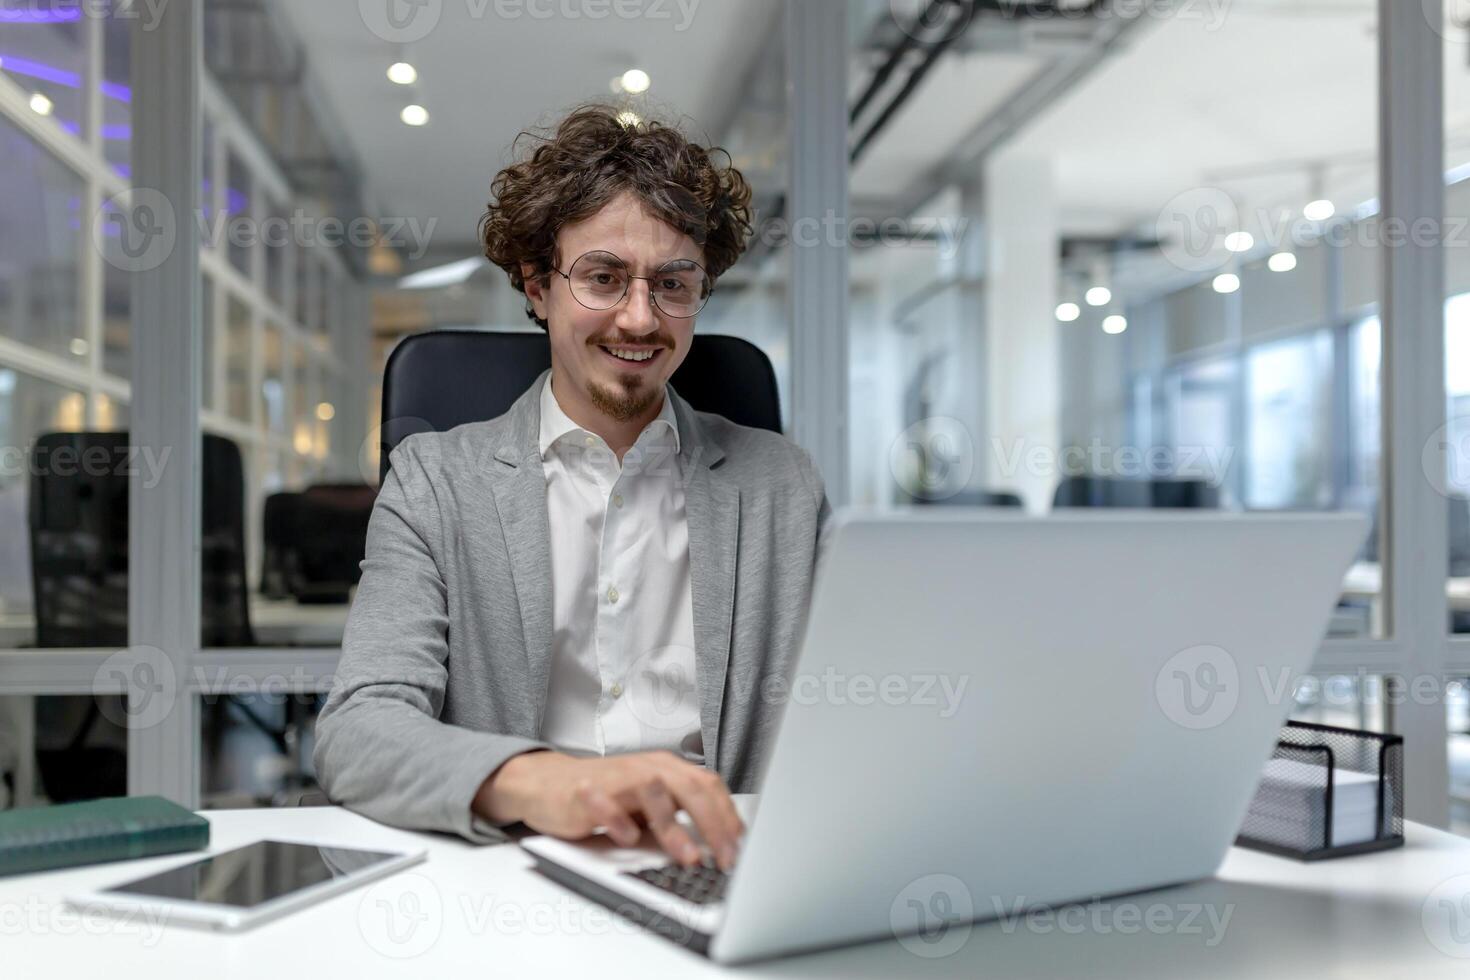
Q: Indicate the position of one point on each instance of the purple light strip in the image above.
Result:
(39, 16)
(35, 69)
(57, 76)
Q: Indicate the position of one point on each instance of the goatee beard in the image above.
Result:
(627, 401)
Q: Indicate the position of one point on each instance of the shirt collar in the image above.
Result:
(555, 423)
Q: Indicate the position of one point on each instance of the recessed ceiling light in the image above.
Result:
(1240, 241)
(402, 73)
(1067, 312)
(1282, 262)
(634, 81)
(1116, 323)
(40, 104)
(414, 115)
(1226, 282)
(1099, 296)
(1319, 210)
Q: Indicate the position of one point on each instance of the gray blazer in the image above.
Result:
(447, 650)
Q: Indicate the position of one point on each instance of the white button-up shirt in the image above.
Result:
(622, 651)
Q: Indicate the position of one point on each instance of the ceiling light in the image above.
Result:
(1099, 296)
(634, 81)
(414, 115)
(1240, 241)
(442, 275)
(402, 73)
(325, 411)
(1116, 323)
(1226, 282)
(40, 104)
(1319, 210)
(1067, 312)
(1282, 262)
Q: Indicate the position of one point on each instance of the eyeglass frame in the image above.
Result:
(648, 279)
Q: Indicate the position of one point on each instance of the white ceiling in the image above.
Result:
(1241, 94)
(485, 77)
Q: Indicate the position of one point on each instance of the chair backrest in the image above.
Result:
(78, 518)
(1104, 491)
(442, 378)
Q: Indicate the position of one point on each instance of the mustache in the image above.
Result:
(658, 340)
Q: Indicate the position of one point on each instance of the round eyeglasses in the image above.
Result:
(600, 280)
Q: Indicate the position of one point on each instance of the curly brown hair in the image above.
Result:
(592, 157)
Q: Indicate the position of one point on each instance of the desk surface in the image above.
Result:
(480, 911)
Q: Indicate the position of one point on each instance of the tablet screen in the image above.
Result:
(251, 875)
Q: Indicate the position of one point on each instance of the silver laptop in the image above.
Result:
(992, 714)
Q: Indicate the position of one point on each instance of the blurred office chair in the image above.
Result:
(442, 378)
(78, 520)
(969, 498)
(78, 517)
(1104, 491)
(314, 541)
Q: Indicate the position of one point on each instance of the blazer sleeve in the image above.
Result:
(381, 749)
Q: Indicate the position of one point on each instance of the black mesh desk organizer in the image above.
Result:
(1299, 810)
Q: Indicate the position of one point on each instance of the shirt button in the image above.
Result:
(617, 690)
(617, 500)
(612, 593)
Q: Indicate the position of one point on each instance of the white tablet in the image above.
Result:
(238, 889)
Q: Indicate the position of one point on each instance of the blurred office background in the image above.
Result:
(1097, 254)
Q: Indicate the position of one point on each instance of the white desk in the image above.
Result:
(478, 911)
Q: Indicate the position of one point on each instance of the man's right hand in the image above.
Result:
(570, 797)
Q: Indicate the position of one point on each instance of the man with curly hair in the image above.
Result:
(582, 614)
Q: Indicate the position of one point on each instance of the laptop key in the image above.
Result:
(701, 884)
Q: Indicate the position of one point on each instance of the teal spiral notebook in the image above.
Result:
(46, 837)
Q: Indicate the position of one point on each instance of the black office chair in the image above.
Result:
(1104, 491)
(442, 378)
(314, 541)
(78, 522)
(968, 498)
(78, 515)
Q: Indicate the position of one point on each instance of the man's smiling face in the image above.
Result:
(586, 371)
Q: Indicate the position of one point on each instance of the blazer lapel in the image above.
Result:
(712, 510)
(520, 498)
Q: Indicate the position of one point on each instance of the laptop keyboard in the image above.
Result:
(702, 884)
